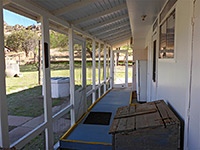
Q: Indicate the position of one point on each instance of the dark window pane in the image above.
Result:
(170, 36)
(167, 30)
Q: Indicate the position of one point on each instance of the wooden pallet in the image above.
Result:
(145, 126)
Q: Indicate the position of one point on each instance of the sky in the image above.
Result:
(12, 19)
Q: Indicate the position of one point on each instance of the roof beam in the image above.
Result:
(72, 7)
(119, 38)
(98, 25)
(34, 8)
(111, 29)
(5, 2)
(99, 14)
(115, 33)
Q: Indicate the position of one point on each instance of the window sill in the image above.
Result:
(170, 60)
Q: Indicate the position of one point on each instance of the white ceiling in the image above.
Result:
(138, 8)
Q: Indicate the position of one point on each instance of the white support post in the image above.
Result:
(47, 82)
(107, 60)
(4, 137)
(126, 71)
(115, 68)
(133, 71)
(72, 82)
(104, 68)
(99, 69)
(111, 68)
(84, 76)
(94, 70)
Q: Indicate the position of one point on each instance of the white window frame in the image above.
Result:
(170, 60)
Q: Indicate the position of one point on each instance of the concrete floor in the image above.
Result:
(98, 134)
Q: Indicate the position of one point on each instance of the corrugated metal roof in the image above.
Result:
(110, 25)
(99, 23)
(54, 4)
(103, 18)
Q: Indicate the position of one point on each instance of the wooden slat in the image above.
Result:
(117, 123)
(122, 125)
(148, 120)
(131, 124)
(148, 115)
(145, 107)
(114, 126)
(145, 131)
(132, 109)
(122, 111)
(137, 113)
(167, 115)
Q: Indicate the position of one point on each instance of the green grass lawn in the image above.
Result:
(28, 102)
(61, 69)
(24, 94)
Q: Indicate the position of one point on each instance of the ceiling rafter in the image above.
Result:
(5, 2)
(98, 25)
(111, 29)
(34, 8)
(120, 41)
(118, 38)
(72, 7)
(99, 14)
(115, 33)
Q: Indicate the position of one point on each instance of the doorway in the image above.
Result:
(154, 68)
(120, 70)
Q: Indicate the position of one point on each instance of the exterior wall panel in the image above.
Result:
(174, 75)
(194, 124)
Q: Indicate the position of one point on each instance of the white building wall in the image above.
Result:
(174, 75)
(194, 123)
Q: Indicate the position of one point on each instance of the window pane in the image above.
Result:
(167, 31)
(170, 36)
(163, 38)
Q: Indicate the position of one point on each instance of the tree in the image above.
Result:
(89, 47)
(58, 39)
(23, 40)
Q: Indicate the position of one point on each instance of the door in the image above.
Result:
(80, 76)
(154, 68)
(120, 72)
(141, 80)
